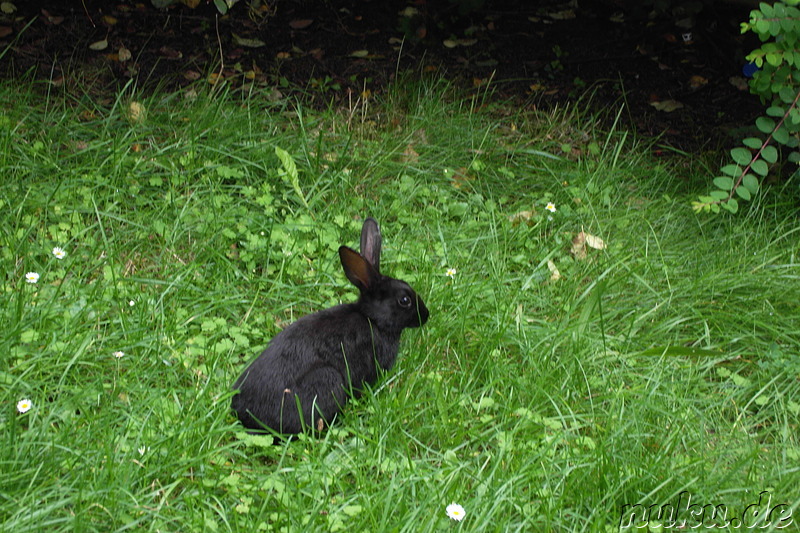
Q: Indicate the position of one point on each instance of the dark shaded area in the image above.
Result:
(681, 79)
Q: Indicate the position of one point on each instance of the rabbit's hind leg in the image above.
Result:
(321, 393)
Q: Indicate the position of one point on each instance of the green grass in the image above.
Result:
(666, 363)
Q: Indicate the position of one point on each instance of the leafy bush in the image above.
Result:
(777, 83)
(222, 5)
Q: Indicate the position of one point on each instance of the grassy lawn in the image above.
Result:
(556, 385)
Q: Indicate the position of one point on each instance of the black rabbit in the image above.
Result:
(305, 375)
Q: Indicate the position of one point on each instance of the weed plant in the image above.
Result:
(555, 386)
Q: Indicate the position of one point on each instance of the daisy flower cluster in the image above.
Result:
(25, 405)
(33, 277)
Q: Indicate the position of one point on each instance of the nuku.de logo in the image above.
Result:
(684, 513)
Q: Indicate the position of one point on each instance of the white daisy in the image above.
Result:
(119, 355)
(31, 277)
(456, 512)
(23, 406)
(59, 253)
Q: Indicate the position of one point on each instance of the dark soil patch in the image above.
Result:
(538, 53)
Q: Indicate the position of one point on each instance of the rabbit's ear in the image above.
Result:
(371, 243)
(357, 269)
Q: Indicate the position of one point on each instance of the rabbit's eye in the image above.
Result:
(404, 301)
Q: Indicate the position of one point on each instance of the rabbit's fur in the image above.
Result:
(307, 372)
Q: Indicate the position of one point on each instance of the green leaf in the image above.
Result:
(794, 117)
(794, 157)
(222, 6)
(290, 169)
(458, 209)
(781, 135)
(786, 94)
(775, 111)
(769, 154)
(718, 195)
(760, 167)
(724, 183)
(740, 381)
(765, 125)
(352, 510)
(731, 205)
(743, 192)
(741, 155)
(752, 142)
(750, 182)
(247, 42)
(731, 170)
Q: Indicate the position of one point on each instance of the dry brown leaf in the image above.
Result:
(247, 42)
(409, 155)
(522, 216)
(739, 82)
(578, 249)
(581, 241)
(124, 54)
(594, 242)
(52, 19)
(99, 45)
(695, 82)
(170, 53)
(555, 275)
(300, 24)
(566, 14)
(667, 106)
(136, 112)
(459, 177)
(5, 31)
